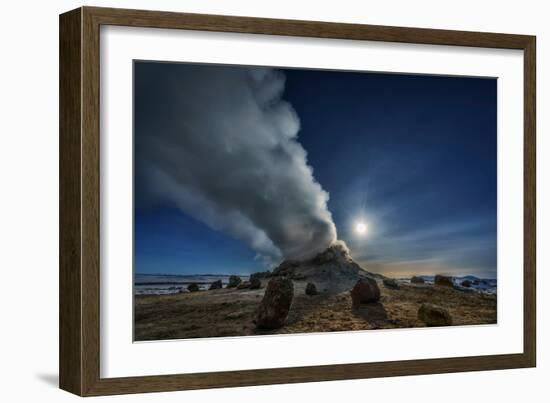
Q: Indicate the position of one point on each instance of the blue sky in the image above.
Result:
(414, 157)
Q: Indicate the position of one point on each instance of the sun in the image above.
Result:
(361, 228)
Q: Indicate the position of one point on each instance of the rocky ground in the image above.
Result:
(232, 312)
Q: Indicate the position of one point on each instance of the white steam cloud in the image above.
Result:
(221, 144)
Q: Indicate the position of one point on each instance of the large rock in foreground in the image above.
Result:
(365, 290)
(276, 303)
(433, 315)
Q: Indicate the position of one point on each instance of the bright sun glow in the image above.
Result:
(361, 228)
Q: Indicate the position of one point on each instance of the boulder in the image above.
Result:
(216, 285)
(391, 283)
(243, 285)
(365, 290)
(445, 281)
(193, 287)
(234, 281)
(433, 315)
(255, 283)
(311, 289)
(466, 283)
(417, 280)
(275, 304)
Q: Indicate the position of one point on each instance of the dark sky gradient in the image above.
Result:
(413, 156)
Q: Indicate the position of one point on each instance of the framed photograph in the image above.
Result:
(249, 201)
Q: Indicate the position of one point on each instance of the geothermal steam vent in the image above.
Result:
(260, 189)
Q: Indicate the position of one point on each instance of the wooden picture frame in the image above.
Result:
(80, 187)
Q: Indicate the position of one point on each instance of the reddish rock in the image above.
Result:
(276, 303)
(433, 315)
(365, 290)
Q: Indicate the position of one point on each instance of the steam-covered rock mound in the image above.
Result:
(333, 270)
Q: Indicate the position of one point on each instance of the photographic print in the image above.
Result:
(275, 201)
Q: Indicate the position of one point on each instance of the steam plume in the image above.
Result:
(221, 144)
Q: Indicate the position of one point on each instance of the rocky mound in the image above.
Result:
(333, 270)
